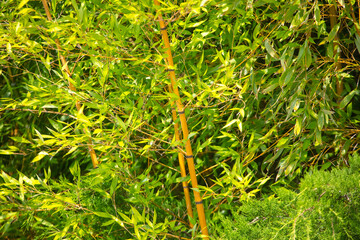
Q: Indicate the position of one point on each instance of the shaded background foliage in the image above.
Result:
(271, 88)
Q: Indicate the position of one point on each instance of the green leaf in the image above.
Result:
(44, 222)
(75, 169)
(205, 144)
(286, 76)
(240, 125)
(198, 65)
(317, 14)
(325, 166)
(6, 152)
(71, 150)
(357, 42)
(318, 138)
(73, 2)
(241, 48)
(40, 156)
(103, 214)
(270, 88)
(22, 3)
(21, 185)
(332, 34)
(282, 142)
(57, 126)
(137, 215)
(297, 128)
(20, 139)
(308, 58)
(320, 121)
(230, 123)
(121, 123)
(348, 98)
(107, 223)
(124, 217)
(270, 49)
(39, 135)
(113, 185)
(196, 24)
(256, 30)
(182, 179)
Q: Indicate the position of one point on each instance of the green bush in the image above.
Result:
(326, 207)
(269, 89)
(107, 203)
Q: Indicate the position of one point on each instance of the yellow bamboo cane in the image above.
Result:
(71, 86)
(181, 111)
(182, 164)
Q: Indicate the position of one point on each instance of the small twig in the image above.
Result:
(321, 195)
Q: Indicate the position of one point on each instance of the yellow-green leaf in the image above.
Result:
(40, 156)
(22, 3)
(297, 128)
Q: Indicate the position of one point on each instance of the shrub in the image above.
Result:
(325, 207)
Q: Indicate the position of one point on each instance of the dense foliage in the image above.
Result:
(271, 89)
(325, 208)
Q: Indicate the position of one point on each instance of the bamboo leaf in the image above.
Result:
(270, 49)
(317, 15)
(21, 185)
(113, 185)
(230, 123)
(103, 214)
(22, 3)
(121, 123)
(40, 156)
(282, 142)
(75, 169)
(348, 98)
(357, 42)
(6, 152)
(196, 24)
(20, 140)
(332, 34)
(320, 120)
(297, 128)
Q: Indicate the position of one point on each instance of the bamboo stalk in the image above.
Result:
(181, 111)
(71, 86)
(182, 164)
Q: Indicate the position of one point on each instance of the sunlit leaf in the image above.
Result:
(40, 156)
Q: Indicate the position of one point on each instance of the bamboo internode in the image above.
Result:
(181, 111)
(71, 86)
(182, 163)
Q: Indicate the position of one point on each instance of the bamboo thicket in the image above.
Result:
(71, 86)
(181, 111)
